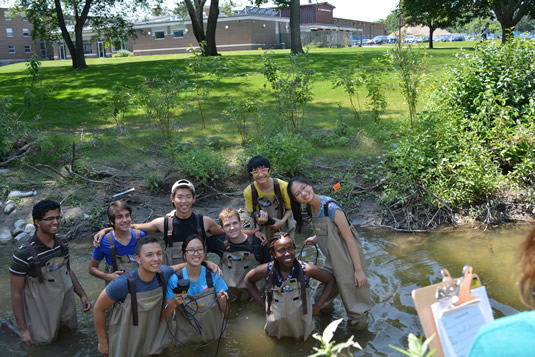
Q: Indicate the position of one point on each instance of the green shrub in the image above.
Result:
(11, 128)
(123, 53)
(51, 150)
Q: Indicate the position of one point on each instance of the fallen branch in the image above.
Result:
(18, 154)
(398, 229)
(36, 169)
(86, 179)
(51, 168)
(436, 197)
(63, 200)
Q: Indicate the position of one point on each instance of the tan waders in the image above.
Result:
(199, 320)
(125, 263)
(49, 299)
(274, 206)
(338, 262)
(135, 325)
(289, 308)
(235, 265)
(173, 249)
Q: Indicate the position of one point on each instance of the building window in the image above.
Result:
(6, 16)
(87, 47)
(43, 48)
(27, 48)
(178, 33)
(24, 18)
(9, 32)
(25, 32)
(118, 45)
(159, 35)
(11, 48)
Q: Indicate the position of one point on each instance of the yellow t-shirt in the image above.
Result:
(247, 195)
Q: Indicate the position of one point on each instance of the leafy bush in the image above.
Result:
(11, 128)
(123, 53)
(53, 149)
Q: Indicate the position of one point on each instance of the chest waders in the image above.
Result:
(126, 262)
(173, 250)
(289, 308)
(235, 265)
(276, 209)
(48, 299)
(338, 261)
(199, 320)
(135, 325)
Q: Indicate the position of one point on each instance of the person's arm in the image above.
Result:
(255, 232)
(152, 227)
(252, 277)
(17, 285)
(325, 277)
(343, 226)
(97, 273)
(103, 303)
(222, 299)
(280, 222)
(86, 304)
(211, 226)
(99, 235)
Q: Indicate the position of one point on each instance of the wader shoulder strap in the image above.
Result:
(65, 250)
(277, 189)
(271, 283)
(254, 197)
(301, 280)
(249, 243)
(137, 233)
(209, 279)
(168, 231)
(163, 285)
(227, 245)
(200, 232)
(132, 290)
(326, 210)
(36, 261)
(113, 253)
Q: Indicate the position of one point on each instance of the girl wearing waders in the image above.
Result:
(288, 305)
(266, 199)
(198, 296)
(339, 242)
(137, 301)
(118, 246)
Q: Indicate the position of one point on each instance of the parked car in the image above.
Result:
(392, 40)
(443, 38)
(379, 40)
(456, 38)
(366, 41)
(409, 39)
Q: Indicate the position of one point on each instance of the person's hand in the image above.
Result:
(171, 214)
(262, 218)
(261, 236)
(86, 304)
(114, 275)
(360, 279)
(180, 298)
(278, 223)
(26, 337)
(215, 268)
(103, 348)
(222, 293)
(311, 240)
(98, 237)
(315, 309)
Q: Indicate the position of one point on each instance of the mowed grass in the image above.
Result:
(77, 103)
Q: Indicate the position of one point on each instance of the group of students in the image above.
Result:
(144, 295)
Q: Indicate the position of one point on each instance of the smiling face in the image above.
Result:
(194, 252)
(150, 257)
(123, 220)
(302, 192)
(232, 227)
(284, 251)
(183, 200)
(49, 224)
(260, 175)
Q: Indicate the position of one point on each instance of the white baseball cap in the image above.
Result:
(182, 183)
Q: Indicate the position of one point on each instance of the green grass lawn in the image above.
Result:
(77, 105)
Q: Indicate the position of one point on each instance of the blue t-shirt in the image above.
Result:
(195, 287)
(333, 206)
(508, 336)
(104, 250)
(117, 289)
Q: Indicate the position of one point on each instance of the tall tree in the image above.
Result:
(439, 13)
(54, 20)
(509, 13)
(295, 21)
(206, 39)
(392, 22)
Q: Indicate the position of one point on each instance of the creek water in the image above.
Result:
(397, 264)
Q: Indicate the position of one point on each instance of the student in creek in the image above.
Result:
(42, 282)
(288, 305)
(513, 335)
(267, 200)
(137, 300)
(239, 253)
(339, 242)
(118, 246)
(202, 304)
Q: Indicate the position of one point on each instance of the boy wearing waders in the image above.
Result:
(118, 246)
(288, 305)
(267, 200)
(42, 283)
(239, 253)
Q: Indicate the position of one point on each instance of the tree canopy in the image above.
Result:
(509, 13)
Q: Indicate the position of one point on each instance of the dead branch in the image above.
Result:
(436, 197)
(65, 198)
(17, 155)
(398, 229)
(84, 178)
(51, 168)
(36, 169)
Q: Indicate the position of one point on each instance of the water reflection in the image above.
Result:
(397, 264)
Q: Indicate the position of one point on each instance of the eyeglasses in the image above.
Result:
(299, 193)
(195, 251)
(50, 219)
(259, 171)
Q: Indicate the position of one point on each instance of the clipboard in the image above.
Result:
(446, 319)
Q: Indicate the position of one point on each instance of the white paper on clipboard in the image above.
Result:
(457, 327)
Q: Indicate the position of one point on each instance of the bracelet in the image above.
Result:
(256, 231)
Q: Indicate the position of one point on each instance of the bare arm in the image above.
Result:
(222, 299)
(211, 226)
(325, 277)
(97, 273)
(280, 222)
(252, 277)
(86, 304)
(152, 227)
(17, 285)
(103, 303)
(343, 226)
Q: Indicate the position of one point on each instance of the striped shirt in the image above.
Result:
(22, 263)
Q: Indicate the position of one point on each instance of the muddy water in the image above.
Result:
(397, 264)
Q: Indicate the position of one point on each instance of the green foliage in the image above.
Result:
(152, 181)
(11, 127)
(286, 152)
(351, 78)
(328, 347)
(121, 99)
(36, 93)
(375, 89)
(292, 87)
(51, 150)
(340, 136)
(417, 348)
(123, 53)
(409, 64)
(240, 111)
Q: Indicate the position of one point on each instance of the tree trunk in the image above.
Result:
(211, 48)
(197, 24)
(295, 27)
(431, 30)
